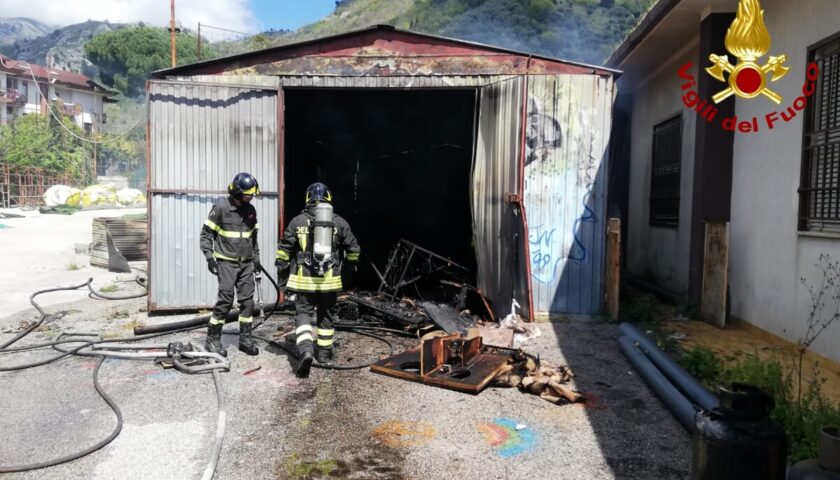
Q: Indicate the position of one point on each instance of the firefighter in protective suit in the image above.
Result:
(315, 247)
(229, 243)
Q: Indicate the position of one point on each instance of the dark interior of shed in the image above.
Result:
(398, 163)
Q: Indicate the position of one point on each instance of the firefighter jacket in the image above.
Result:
(230, 232)
(303, 274)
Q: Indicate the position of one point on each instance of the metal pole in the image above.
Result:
(198, 54)
(172, 29)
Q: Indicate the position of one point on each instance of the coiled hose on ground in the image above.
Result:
(117, 351)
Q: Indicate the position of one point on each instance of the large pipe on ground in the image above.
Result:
(670, 396)
(232, 316)
(692, 389)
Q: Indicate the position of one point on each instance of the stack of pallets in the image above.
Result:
(129, 238)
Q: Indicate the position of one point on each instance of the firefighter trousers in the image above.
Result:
(319, 304)
(238, 276)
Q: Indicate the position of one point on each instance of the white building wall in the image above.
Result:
(767, 255)
(655, 253)
(3, 117)
(33, 98)
(91, 103)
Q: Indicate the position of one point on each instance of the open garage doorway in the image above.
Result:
(398, 162)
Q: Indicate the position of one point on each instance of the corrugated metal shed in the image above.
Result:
(540, 156)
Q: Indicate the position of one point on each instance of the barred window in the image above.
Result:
(819, 192)
(665, 172)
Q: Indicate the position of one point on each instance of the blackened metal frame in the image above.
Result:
(394, 278)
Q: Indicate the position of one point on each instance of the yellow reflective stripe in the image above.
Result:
(303, 328)
(353, 256)
(324, 343)
(326, 333)
(212, 225)
(246, 319)
(215, 321)
(229, 234)
(282, 255)
(298, 281)
(304, 337)
(231, 259)
(256, 226)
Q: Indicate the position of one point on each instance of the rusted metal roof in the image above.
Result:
(382, 50)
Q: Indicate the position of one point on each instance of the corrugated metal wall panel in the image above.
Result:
(268, 81)
(497, 226)
(332, 81)
(179, 276)
(390, 82)
(568, 125)
(203, 135)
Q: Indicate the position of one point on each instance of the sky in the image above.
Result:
(248, 16)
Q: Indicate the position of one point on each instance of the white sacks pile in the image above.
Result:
(93, 196)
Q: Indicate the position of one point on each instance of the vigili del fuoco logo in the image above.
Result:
(747, 39)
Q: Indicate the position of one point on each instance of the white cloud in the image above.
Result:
(231, 14)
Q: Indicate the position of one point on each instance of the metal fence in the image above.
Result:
(25, 186)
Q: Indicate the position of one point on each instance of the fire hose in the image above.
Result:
(117, 348)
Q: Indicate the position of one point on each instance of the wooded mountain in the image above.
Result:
(60, 48)
(581, 30)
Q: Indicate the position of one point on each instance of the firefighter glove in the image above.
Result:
(213, 266)
(282, 271)
(256, 265)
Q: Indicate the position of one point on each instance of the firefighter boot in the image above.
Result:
(324, 355)
(305, 361)
(214, 339)
(246, 339)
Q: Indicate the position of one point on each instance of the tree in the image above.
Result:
(259, 42)
(39, 141)
(126, 57)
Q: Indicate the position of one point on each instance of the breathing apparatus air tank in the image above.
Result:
(322, 236)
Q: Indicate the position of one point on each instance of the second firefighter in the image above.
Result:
(316, 245)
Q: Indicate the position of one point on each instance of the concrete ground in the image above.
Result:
(351, 424)
(39, 252)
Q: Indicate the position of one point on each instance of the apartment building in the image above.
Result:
(73, 95)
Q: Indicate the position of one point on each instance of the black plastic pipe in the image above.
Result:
(232, 316)
(670, 396)
(681, 379)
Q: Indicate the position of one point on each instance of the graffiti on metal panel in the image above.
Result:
(578, 252)
(543, 134)
(543, 261)
(561, 157)
(546, 256)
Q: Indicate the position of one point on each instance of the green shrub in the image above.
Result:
(801, 420)
(640, 309)
(703, 364)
